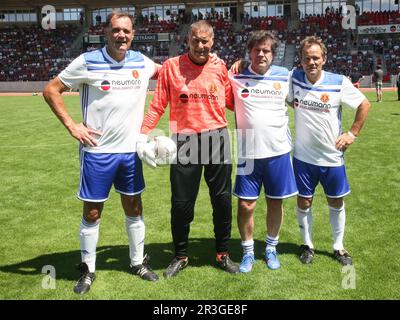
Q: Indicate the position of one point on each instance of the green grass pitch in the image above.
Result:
(40, 216)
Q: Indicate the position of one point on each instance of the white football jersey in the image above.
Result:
(261, 112)
(318, 113)
(113, 95)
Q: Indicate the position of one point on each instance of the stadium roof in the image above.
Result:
(26, 4)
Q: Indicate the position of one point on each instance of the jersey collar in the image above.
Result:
(109, 58)
(317, 82)
(257, 74)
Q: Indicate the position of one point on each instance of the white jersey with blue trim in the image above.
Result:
(261, 112)
(113, 95)
(318, 112)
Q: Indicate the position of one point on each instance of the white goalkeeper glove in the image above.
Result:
(146, 151)
(165, 150)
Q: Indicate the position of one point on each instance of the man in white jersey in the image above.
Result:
(113, 85)
(264, 145)
(320, 142)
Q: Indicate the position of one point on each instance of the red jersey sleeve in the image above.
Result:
(159, 102)
(229, 99)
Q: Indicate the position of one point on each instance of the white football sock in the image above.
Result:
(337, 218)
(271, 242)
(248, 246)
(89, 235)
(135, 229)
(304, 219)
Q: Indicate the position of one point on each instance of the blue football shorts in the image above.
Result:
(275, 173)
(99, 171)
(333, 179)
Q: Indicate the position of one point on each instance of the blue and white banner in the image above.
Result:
(389, 28)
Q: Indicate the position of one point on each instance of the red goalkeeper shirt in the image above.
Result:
(197, 96)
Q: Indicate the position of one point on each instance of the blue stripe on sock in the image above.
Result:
(271, 241)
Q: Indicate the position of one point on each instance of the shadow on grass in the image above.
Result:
(201, 253)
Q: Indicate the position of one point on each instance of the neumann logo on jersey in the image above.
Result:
(259, 93)
(105, 85)
(314, 105)
(119, 84)
(184, 97)
(245, 93)
(123, 83)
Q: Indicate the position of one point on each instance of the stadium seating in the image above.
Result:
(379, 18)
(158, 51)
(341, 57)
(32, 54)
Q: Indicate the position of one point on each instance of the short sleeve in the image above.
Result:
(351, 95)
(75, 74)
(150, 65)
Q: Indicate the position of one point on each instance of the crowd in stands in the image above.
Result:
(143, 25)
(157, 26)
(32, 53)
(228, 45)
(213, 16)
(157, 50)
(391, 56)
(266, 23)
(340, 59)
(97, 29)
(379, 18)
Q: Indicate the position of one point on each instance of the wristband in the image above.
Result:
(352, 135)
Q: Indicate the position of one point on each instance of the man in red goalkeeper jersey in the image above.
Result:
(197, 90)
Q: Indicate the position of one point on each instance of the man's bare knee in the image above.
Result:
(132, 205)
(246, 206)
(92, 211)
(335, 202)
(304, 203)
